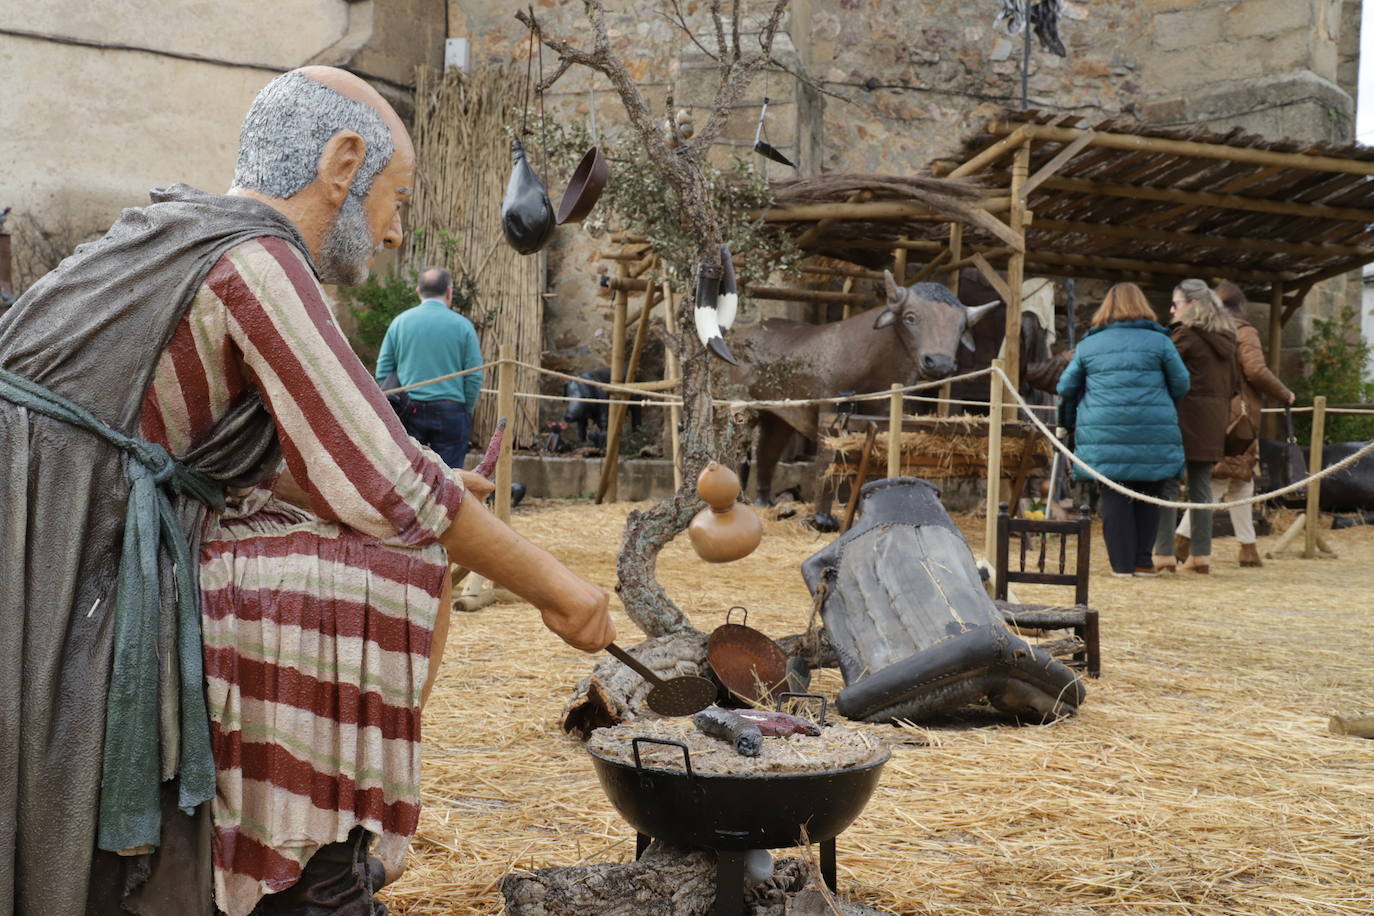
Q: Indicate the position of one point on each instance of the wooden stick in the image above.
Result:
(956, 253)
(1153, 267)
(1200, 240)
(873, 210)
(815, 232)
(1356, 724)
(994, 489)
(1296, 528)
(1314, 464)
(1016, 267)
(930, 267)
(1305, 161)
(1205, 199)
(942, 408)
(674, 372)
(1271, 422)
(1049, 169)
(990, 155)
(608, 462)
(868, 244)
(894, 432)
(869, 437)
(992, 276)
(617, 412)
(505, 401)
(899, 263)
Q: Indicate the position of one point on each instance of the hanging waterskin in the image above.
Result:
(527, 216)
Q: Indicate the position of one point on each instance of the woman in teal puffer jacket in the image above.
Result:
(1118, 397)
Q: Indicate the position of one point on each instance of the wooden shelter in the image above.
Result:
(1113, 200)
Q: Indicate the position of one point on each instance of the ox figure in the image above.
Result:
(913, 338)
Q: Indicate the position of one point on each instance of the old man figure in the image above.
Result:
(224, 582)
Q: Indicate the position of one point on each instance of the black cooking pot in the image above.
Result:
(688, 809)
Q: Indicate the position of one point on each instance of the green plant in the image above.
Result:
(377, 301)
(1334, 357)
(637, 198)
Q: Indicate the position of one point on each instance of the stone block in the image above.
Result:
(1188, 28)
(1264, 18)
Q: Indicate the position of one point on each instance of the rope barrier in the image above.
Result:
(1027, 409)
(1171, 504)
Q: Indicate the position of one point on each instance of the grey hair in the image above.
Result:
(286, 130)
(1203, 308)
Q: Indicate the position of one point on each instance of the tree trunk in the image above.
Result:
(666, 881)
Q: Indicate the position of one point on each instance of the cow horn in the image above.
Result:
(976, 313)
(728, 305)
(897, 295)
(706, 316)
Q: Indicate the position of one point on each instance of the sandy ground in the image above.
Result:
(1199, 777)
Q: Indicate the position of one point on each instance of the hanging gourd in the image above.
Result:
(726, 529)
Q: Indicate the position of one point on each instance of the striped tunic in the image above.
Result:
(316, 624)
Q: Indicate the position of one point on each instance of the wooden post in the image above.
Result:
(505, 407)
(956, 254)
(1271, 422)
(894, 432)
(674, 371)
(1314, 464)
(899, 263)
(610, 465)
(1016, 266)
(607, 488)
(994, 494)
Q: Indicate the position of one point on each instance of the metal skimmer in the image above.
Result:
(678, 696)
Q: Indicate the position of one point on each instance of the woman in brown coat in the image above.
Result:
(1205, 337)
(1234, 477)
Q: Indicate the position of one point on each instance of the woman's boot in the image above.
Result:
(1249, 555)
(1199, 564)
(1181, 545)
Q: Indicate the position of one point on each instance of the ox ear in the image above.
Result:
(886, 317)
(978, 312)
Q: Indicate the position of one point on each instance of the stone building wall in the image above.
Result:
(103, 101)
(892, 84)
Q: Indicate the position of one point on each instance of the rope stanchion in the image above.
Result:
(1172, 504)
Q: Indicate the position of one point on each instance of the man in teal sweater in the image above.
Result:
(429, 341)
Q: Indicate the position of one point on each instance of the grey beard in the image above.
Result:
(347, 246)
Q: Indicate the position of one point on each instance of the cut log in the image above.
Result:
(1357, 724)
(614, 693)
(665, 881)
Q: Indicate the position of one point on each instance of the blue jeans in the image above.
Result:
(441, 425)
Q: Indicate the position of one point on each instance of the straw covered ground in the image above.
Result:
(1199, 777)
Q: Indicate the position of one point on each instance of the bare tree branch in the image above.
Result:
(740, 76)
(681, 22)
(734, 26)
(720, 28)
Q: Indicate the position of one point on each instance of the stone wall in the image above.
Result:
(88, 130)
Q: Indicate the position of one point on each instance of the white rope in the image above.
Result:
(1170, 504)
(845, 399)
(1348, 410)
(558, 397)
(442, 378)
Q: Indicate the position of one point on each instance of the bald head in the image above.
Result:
(294, 117)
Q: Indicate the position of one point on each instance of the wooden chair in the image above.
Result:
(1081, 619)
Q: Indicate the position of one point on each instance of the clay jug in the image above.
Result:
(526, 213)
(725, 530)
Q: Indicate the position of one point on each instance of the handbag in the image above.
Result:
(1240, 432)
(1292, 466)
(398, 401)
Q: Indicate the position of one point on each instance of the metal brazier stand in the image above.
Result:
(734, 814)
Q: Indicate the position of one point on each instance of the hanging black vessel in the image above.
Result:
(527, 216)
